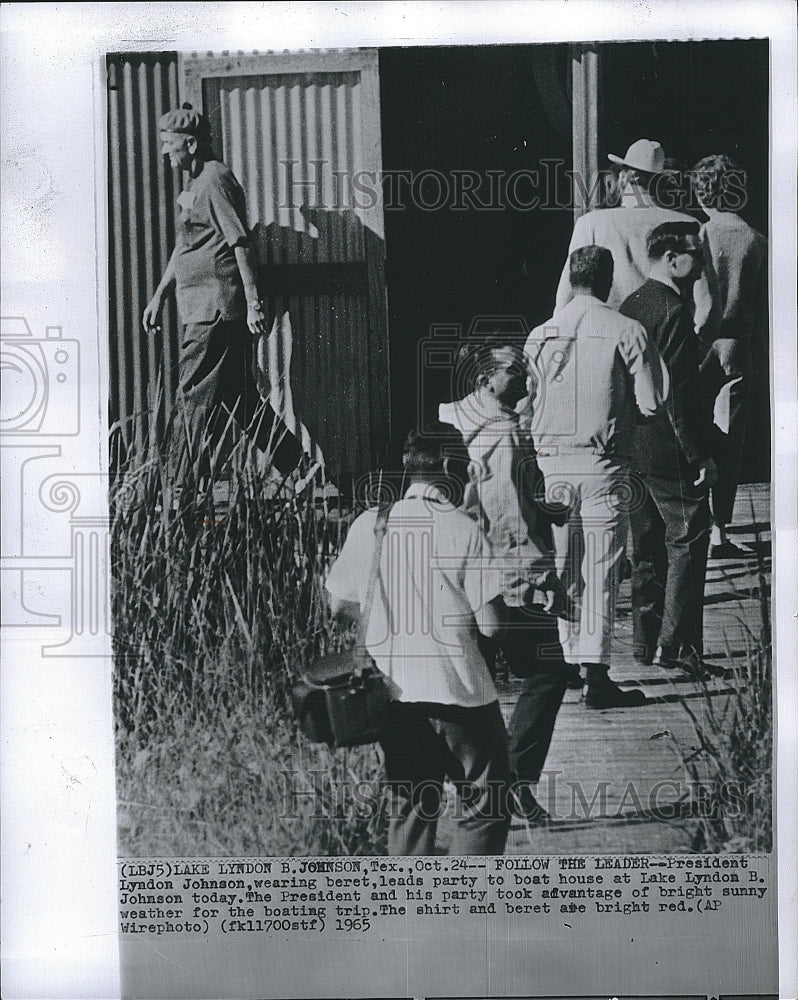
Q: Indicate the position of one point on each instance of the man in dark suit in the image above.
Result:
(670, 528)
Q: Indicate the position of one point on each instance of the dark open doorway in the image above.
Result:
(480, 111)
(502, 110)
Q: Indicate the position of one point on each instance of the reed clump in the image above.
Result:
(217, 600)
(728, 759)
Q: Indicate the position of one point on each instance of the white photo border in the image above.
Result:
(59, 844)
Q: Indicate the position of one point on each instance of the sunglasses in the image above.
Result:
(696, 252)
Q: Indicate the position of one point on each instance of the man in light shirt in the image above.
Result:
(624, 229)
(594, 371)
(501, 496)
(438, 588)
(213, 271)
(731, 315)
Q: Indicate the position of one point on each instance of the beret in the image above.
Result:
(184, 119)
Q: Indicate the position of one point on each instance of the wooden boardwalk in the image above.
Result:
(607, 770)
(622, 760)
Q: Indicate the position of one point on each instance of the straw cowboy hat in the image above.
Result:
(644, 155)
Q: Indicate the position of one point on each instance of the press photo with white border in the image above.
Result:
(176, 737)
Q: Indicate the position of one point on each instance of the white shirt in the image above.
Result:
(436, 572)
(624, 231)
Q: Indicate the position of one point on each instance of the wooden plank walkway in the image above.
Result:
(623, 757)
(607, 770)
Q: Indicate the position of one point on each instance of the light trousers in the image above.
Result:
(590, 546)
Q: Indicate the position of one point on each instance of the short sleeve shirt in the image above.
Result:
(437, 572)
(211, 222)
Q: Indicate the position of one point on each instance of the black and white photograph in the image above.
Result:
(415, 459)
(516, 298)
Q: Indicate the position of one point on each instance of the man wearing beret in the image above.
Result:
(213, 271)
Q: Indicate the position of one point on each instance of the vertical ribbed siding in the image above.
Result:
(329, 320)
(585, 77)
(141, 195)
(329, 326)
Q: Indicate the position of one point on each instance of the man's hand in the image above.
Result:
(707, 474)
(256, 318)
(151, 314)
(725, 350)
(551, 585)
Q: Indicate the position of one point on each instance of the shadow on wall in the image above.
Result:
(324, 363)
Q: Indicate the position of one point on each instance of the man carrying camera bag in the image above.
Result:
(438, 586)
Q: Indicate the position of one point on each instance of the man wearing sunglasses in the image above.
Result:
(670, 527)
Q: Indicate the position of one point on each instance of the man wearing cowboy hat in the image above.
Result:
(213, 271)
(624, 230)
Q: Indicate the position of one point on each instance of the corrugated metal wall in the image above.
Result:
(322, 266)
(142, 189)
(322, 257)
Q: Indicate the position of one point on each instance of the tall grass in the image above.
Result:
(730, 760)
(217, 606)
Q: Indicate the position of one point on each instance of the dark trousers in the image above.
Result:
(428, 742)
(533, 651)
(670, 532)
(217, 382)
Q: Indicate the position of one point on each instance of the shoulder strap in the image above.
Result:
(469, 439)
(380, 528)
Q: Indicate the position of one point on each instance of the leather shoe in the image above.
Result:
(691, 664)
(728, 550)
(607, 694)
